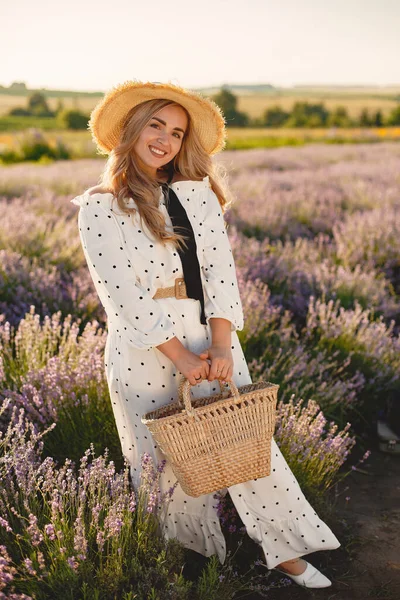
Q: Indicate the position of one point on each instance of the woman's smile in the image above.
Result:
(157, 152)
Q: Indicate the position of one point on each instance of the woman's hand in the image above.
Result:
(221, 362)
(193, 367)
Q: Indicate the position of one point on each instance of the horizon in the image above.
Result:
(237, 84)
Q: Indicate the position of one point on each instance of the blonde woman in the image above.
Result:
(155, 241)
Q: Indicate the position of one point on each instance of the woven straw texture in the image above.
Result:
(177, 291)
(107, 117)
(217, 441)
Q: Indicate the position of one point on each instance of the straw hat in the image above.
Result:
(108, 116)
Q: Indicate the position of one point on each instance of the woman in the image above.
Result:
(154, 238)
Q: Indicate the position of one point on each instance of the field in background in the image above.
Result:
(81, 146)
(255, 105)
(40, 139)
(246, 138)
(252, 102)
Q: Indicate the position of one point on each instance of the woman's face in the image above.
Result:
(164, 132)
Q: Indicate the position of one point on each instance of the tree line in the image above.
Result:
(37, 106)
(302, 114)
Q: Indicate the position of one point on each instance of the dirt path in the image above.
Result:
(367, 566)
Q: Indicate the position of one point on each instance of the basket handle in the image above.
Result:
(184, 394)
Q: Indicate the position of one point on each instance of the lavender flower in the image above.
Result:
(309, 445)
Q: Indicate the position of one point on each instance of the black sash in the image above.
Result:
(190, 262)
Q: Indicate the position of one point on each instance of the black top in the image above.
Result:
(190, 262)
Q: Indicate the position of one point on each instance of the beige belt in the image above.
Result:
(178, 290)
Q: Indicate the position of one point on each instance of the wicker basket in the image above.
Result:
(217, 441)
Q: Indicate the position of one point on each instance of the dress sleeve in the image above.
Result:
(141, 320)
(221, 290)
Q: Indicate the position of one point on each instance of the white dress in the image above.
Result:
(127, 266)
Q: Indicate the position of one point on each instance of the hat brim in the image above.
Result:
(108, 116)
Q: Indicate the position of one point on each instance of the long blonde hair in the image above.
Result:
(124, 179)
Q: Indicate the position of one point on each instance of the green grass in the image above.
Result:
(14, 123)
(80, 143)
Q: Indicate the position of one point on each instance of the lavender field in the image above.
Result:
(315, 233)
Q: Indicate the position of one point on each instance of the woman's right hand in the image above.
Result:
(192, 366)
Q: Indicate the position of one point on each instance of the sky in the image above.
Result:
(93, 45)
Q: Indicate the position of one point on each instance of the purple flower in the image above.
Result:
(49, 529)
(73, 563)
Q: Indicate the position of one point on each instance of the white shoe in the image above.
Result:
(310, 578)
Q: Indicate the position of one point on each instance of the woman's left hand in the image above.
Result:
(221, 362)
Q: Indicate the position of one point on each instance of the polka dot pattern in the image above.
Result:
(127, 266)
(221, 296)
(126, 300)
(278, 516)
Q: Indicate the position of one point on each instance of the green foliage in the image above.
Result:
(33, 146)
(358, 335)
(35, 149)
(19, 112)
(228, 104)
(72, 119)
(86, 534)
(37, 105)
(305, 114)
(263, 142)
(208, 586)
(314, 449)
(21, 123)
(378, 119)
(275, 117)
(60, 106)
(394, 117)
(226, 100)
(120, 548)
(365, 119)
(85, 412)
(339, 118)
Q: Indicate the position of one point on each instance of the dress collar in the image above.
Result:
(185, 186)
(180, 186)
(190, 183)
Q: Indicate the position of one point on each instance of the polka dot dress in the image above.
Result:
(127, 266)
